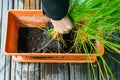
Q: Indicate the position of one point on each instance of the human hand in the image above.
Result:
(62, 26)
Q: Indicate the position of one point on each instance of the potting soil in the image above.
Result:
(36, 40)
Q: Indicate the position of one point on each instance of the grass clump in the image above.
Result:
(96, 19)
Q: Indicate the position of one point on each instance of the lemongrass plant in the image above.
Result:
(96, 19)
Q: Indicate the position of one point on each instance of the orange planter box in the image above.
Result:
(30, 18)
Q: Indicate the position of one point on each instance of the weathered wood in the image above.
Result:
(31, 71)
(1, 5)
(37, 71)
(3, 11)
(61, 73)
(8, 58)
(3, 16)
(54, 71)
(7, 67)
(42, 71)
(72, 76)
(38, 4)
(10, 4)
(25, 71)
(32, 4)
(77, 72)
(18, 71)
(84, 71)
(26, 4)
(66, 69)
(13, 69)
(2, 67)
(48, 68)
(20, 4)
(15, 4)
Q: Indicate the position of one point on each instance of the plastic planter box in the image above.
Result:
(16, 18)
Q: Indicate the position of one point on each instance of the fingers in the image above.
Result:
(63, 26)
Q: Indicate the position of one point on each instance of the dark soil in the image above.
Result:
(38, 41)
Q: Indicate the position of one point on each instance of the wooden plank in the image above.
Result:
(25, 71)
(18, 71)
(77, 72)
(13, 69)
(66, 71)
(54, 72)
(2, 25)
(4, 16)
(72, 76)
(10, 4)
(32, 4)
(49, 71)
(84, 72)
(7, 67)
(20, 4)
(8, 58)
(61, 74)
(40, 67)
(1, 6)
(15, 4)
(37, 71)
(38, 4)
(2, 66)
(42, 71)
(31, 72)
(26, 4)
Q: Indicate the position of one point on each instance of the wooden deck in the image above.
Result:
(11, 70)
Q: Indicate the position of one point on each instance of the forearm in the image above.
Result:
(55, 9)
